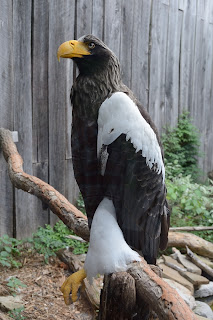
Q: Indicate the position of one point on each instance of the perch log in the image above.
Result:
(195, 243)
(149, 287)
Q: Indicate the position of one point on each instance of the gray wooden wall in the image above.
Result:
(166, 52)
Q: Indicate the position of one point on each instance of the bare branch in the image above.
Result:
(69, 214)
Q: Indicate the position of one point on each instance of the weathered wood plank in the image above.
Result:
(97, 18)
(126, 48)
(172, 65)
(61, 24)
(112, 25)
(158, 62)
(23, 109)
(140, 51)
(40, 29)
(84, 17)
(6, 112)
(206, 62)
(198, 90)
(40, 112)
(187, 56)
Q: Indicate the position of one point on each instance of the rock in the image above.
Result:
(172, 263)
(172, 274)
(160, 261)
(9, 303)
(208, 300)
(191, 267)
(183, 292)
(204, 290)
(200, 318)
(176, 285)
(203, 309)
(194, 278)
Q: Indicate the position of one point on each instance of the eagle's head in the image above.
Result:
(90, 54)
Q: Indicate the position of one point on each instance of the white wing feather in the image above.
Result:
(119, 114)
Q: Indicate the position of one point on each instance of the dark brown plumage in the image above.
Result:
(138, 192)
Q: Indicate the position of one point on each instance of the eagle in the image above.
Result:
(118, 165)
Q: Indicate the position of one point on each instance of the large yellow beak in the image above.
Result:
(72, 49)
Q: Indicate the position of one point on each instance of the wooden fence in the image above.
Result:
(166, 52)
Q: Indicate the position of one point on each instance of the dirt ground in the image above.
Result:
(42, 298)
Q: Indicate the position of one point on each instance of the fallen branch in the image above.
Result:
(200, 228)
(199, 263)
(58, 204)
(149, 287)
(195, 243)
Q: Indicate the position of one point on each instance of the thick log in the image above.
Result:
(58, 204)
(149, 287)
(199, 262)
(200, 228)
(163, 299)
(195, 243)
(118, 297)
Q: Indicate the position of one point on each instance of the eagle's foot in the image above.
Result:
(71, 285)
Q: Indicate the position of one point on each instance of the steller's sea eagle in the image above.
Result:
(118, 165)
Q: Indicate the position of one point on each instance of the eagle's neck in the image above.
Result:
(91, 90)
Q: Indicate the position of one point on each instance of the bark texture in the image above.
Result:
(58, 204)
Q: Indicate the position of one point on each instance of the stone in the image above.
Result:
(200, 318)
(176, 285)
(183, 292)
(204, 290)
(172, 274)
(203, 310)
(208, 300)
(191, 267)
(194, 278)
(9, 303)
(172, 263)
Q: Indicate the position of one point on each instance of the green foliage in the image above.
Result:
(9, 252)
(16, 314)
(191, 203)
(14, 283)
(181, 147)
(80, 204)
(48, 240)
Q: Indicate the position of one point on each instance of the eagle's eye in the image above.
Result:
(91, 45)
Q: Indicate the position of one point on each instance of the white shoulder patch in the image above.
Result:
(119, 114)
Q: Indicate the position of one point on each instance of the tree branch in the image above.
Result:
(58, 204)
(149, 287)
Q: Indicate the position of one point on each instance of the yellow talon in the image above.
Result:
(71, 284)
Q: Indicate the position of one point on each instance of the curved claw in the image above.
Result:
(71, 285)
